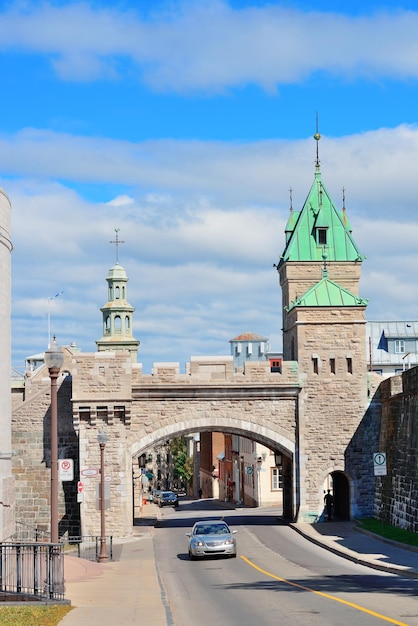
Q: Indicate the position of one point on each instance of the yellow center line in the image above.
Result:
(324, 595)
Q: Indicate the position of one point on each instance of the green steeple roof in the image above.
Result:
(327, 293)
(318, 229)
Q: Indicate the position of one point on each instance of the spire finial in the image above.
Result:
(325, 268)
(291, 199)
(317, 137)
(117, 241)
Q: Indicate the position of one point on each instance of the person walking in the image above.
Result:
(329, 503)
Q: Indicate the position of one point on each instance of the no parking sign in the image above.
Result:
(66, 469)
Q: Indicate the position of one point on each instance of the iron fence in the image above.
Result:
(35, 569)
(88, 546)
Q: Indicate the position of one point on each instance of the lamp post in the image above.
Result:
(103, 555)
(54, 358)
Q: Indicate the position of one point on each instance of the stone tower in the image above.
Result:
(324, 331)
(118, 313)
(7, 496)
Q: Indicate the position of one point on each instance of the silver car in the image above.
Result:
(212, 538)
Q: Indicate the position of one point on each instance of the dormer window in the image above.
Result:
(321, 236)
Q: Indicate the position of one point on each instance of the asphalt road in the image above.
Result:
(278, 578)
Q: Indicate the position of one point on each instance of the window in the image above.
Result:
(349, 365)
(276, 478)
(119, 412)
(321, 236)
(84, 412)
(102, 412)
(399, 346)
(332, 365)
(315, 365)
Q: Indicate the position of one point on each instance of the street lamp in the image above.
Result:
(103, 555)
(54, 358)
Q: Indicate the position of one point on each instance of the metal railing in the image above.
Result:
(88, 546)
(35, 569)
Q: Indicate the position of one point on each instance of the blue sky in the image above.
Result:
(184, 124)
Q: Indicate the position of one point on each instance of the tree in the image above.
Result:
(183, 464)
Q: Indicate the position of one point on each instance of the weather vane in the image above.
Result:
(117, 241)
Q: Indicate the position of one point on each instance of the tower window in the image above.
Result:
(321, 236)
(315, 365)
(332, 365)
(349, 365)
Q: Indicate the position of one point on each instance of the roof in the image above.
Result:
(249, 337)
(327, 293)
(319, 212)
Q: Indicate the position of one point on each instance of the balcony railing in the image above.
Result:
(35, 569)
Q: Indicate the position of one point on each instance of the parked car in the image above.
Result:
(212, 538)
(154, 495)
(167, 498)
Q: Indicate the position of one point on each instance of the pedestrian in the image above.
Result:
(329, 502)
(200, 493)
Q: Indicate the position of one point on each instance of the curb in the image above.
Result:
(350, 555)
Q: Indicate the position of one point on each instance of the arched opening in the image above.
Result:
(239, 470)
(341, 493)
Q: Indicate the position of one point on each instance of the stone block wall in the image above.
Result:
(32, 460)
(396, 497)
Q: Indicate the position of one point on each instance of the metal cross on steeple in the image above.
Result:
(117, 241)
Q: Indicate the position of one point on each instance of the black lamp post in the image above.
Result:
(54, 358)
(103, 555)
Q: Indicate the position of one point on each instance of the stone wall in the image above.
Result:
(32, 461)
(396, 499)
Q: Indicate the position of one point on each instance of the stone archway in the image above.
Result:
(282, 447)
(341, 492)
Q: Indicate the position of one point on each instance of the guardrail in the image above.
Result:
(88, 546)
(35, 569)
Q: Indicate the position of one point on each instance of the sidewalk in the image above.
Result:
(348, 540)
(128, 589)
(123, 591)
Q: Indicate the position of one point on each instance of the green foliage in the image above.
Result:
(388, 531)
(33, 615)
(182, 463)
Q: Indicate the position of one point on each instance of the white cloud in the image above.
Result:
(201, 233)
(210, 46)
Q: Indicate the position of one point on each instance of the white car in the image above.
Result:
(212, 538)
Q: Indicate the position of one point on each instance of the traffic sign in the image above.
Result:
(89, 471)
(80, 487)
(66, 469)
(379, 462)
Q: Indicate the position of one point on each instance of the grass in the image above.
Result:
(41, 615)
(388, 531)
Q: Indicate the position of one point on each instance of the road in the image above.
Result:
(278, 578)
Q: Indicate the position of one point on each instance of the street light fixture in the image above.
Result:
(103, 555)
(54, 359)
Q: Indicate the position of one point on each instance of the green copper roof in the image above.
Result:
(327, 293)
(318, 229)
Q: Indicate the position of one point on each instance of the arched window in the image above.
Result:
(117, 293)
(118, 324)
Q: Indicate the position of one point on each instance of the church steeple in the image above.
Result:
(117, 312)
